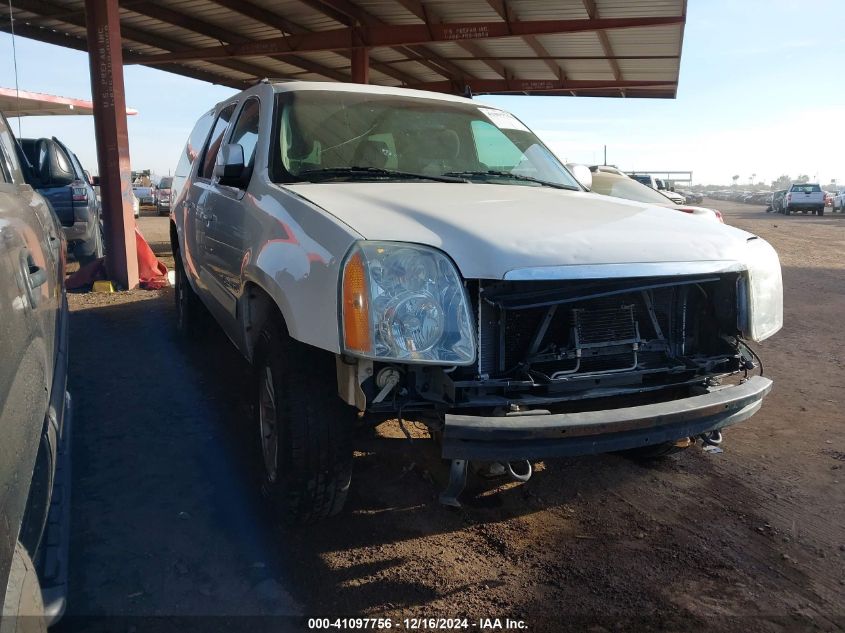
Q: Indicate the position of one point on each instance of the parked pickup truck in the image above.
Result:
(380, 253)
(609, 181)
(34, 403)
(839, 201)
(804, 198)
(660, 185)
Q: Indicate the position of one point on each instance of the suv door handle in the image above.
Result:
(208, 218)
(37, 277)
(34, 277)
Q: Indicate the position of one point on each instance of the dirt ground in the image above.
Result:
(166, 521)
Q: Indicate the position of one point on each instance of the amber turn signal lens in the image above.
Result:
(356, 307)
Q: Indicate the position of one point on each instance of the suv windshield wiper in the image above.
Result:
(371, 172)
(506, 174)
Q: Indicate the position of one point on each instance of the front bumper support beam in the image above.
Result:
(511, 438)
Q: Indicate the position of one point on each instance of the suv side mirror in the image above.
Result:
(229, 168)
(582, 174)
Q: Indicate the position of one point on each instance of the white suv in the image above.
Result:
(380, 253)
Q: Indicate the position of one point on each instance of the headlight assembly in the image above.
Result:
(764, 292)
(404, 302)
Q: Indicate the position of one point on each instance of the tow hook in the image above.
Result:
(458, 477)
(529, 470)
(713, 438)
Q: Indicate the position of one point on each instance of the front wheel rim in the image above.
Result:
(268, 425)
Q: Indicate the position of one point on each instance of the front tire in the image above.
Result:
(304, 429)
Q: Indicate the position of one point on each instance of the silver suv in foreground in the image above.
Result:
(380, 253)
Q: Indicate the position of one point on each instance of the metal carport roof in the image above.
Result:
(626, 48)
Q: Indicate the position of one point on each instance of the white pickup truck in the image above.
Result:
(804, 197)
(658, 184)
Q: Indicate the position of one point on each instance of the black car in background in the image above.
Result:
(58, 175)
(34, 403)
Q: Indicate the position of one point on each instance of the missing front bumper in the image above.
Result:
(570, 434)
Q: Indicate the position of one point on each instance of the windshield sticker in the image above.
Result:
(503, 120)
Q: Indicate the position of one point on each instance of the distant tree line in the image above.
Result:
(783, 182)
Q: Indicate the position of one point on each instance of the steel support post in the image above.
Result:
(110, 128)
(361, 65)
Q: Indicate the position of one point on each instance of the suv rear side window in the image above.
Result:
(11, 166)
(194, 145)
(206, 168)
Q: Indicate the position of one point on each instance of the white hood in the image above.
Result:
(489, 230)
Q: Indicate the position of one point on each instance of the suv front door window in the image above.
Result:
(199, 217)
(226, 231)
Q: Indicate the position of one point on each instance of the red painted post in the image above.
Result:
(106, 60)
(361, 65)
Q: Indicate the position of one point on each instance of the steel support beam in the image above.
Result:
(349, 14)
(264, 16)
(361, 65)
(106, 61)
(485, 86)
(398, 35)
(593, 13)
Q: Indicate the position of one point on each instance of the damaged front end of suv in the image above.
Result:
(433, 256)
(555, 361)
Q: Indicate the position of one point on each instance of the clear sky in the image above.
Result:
(762, 91)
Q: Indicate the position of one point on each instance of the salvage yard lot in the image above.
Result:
(166, 522)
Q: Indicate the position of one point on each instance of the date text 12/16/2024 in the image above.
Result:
(416, 624)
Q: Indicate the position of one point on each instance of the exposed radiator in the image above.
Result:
(593, 335)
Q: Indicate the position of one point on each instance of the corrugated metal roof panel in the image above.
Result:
(299, 13)
(548, 9)
(420, 71)
(572, 44)
(638, 8)
(652, 40)
(589, 69)
(668, 67)
(528, 69)
(389, 11)
(178, 25)
(465, 11)
(478, 69)
(506, 47)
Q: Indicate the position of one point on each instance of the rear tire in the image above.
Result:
(821, 211)
(304, 429)
(190, 311)
(93, 248)
(23, 605)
